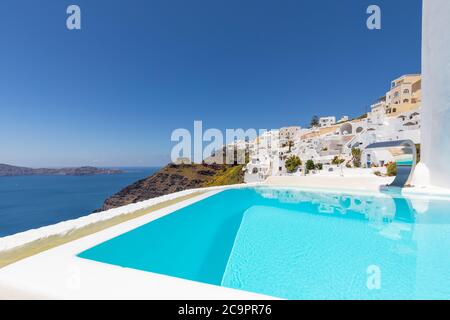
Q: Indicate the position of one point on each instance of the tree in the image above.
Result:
(315, 121)
(356, 154)
(292, 163)
(290, 144)
(310, 165)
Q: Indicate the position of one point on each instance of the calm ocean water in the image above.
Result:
(36, 201)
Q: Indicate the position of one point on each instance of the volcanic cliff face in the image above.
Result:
(174, 178)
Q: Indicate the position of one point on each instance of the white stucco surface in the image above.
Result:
(436, 92)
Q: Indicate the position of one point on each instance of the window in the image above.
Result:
(394, 110)
(405, 100)
(406, 91)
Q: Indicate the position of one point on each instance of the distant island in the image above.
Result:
(11, 171)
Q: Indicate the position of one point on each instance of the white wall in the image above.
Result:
(436, 91)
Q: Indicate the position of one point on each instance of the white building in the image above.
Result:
(377, 115)
(323, 144)
(396, 116)
(343, 119)
(326, 121)
(435, 168)
(264, 158)
(290, 133)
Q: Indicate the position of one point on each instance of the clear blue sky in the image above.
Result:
(111, 94)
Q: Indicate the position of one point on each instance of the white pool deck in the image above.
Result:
(59, 274)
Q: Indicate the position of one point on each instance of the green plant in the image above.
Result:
(356, 154)
(337, 161)
(377, 173)
(348, 165)
(292, 163)
(228, 175)
(310, 165)
(418, 152)
(247, 158)
(319, 166)
(391, 169)
(314, 121)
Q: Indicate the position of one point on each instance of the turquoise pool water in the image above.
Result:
(297, 244)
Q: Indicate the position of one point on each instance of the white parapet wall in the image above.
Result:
(435, 167)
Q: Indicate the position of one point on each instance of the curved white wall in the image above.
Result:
(436, 91)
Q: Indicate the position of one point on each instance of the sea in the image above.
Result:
(30, 202)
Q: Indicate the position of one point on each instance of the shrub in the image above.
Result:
(292, 163)
(391, 169)
(310, 165)
(247, 158)
(319, 166)
(336, 160)
(356, 154)
(418, 152)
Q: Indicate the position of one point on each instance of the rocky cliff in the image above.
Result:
(174, 178)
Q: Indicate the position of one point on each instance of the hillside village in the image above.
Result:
(338, 147)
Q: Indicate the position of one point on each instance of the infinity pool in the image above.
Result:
(296, 244)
